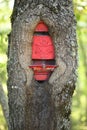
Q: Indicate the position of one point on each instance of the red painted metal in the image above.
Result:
(41, 27)
(43, 53)
(42, 47)
(42, 72)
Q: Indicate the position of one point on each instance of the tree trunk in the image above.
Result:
(47, 105)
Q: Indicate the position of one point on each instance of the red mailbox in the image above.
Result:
(43, 54)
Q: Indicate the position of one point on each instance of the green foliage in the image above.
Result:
(5, 13)
(3, 125)
(79, 105)
(5, 27)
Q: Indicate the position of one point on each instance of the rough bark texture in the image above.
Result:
(34, 105)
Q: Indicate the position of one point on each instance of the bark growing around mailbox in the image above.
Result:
(34, 105)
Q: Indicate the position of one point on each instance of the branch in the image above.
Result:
(4, 103)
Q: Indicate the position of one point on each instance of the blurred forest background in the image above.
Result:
(79, 103)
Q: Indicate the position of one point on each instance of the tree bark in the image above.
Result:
(34, 105)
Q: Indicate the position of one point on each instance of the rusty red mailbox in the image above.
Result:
(43, 54)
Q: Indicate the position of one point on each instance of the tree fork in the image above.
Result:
(34, 105)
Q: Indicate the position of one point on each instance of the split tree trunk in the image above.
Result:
(34, 105)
